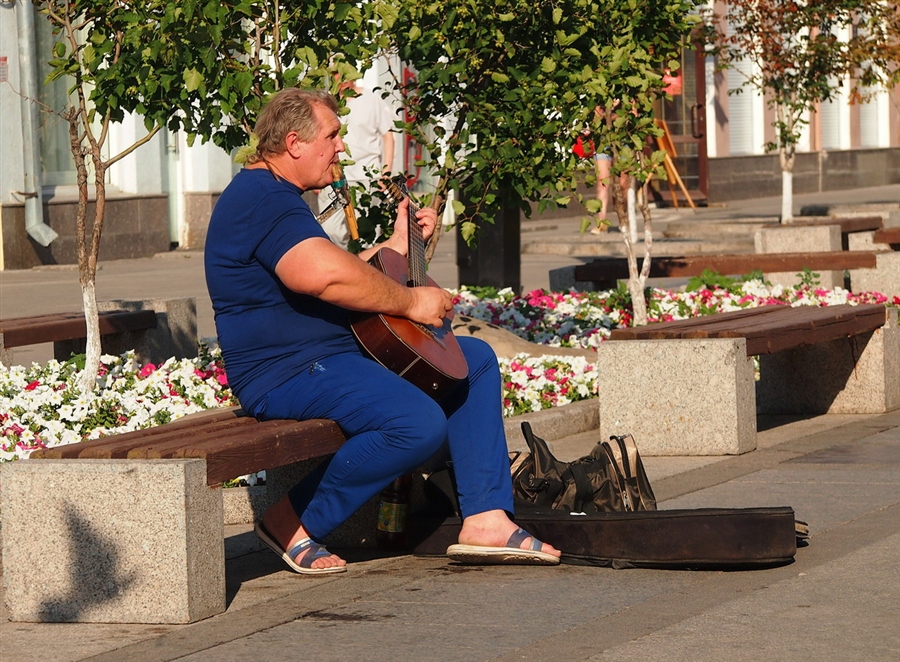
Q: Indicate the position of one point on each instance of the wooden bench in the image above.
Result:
(139, 514)
(848, 225)
(603, 273)
(688, 387)
(768, 329)
(889, 236)
(56, 327)
(156, 329)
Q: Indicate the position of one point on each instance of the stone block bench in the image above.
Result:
(604, 273)
(129, 528)
(817, 235)
(156, 329)
(688, 387)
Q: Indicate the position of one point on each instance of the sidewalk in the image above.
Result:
(836, 602)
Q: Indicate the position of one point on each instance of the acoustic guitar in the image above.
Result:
(427, 356)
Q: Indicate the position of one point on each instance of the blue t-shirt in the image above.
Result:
(268, 334)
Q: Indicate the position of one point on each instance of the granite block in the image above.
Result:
(884, 278)
(858, 375)
(800, 239)
(865, 241)
(112, 541)
(679, 397)
(563, 280)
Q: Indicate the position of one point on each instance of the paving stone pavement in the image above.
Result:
(836, 602)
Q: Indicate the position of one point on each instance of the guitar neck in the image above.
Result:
(415, 255)
(416, 249)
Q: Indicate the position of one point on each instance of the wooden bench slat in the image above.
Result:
(616, 268)
(805, 330)
(232, 443)
(22, 331)
(777, 317)
(316, 438)
(887, 236)
(125, 449)
(773, 329)
(848, 225)
(207, 436)
(72, 451)
(661, 328)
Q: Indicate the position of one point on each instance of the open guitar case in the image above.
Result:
(698, 539)
(704, 538)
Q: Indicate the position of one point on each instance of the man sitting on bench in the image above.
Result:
(281, 292)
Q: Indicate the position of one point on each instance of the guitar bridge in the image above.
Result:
(428, 331)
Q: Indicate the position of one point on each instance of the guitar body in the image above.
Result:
(427, 356)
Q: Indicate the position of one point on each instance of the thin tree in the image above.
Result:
(204, 66)
(796, 51)
(504, 88)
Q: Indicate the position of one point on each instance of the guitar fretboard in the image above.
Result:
(416, 243)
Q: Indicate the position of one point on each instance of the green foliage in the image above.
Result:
(808, 278)
(204, 66)
(504, 88)
(709, 280)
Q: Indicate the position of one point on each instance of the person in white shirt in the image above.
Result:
(369, 142)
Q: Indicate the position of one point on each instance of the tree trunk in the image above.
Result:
(636, 279)
(88, 378)
(787, 196)
(787, 150)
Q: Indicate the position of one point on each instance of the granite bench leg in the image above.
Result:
(800, 239)
(679, 397)
(858, 375)
(112, 541)
(175, 334)
(563, 280)
(884, 278)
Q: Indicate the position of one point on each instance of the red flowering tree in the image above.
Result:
(797, 48)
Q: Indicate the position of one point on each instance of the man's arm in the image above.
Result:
(319, 268)
(388, 149)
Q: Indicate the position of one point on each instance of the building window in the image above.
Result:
(56, 158)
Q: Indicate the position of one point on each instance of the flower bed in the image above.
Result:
(40, 406)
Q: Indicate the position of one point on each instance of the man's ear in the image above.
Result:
(293, 144)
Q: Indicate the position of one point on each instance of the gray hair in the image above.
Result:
(289, 110)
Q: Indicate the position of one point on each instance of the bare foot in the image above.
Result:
(283, 524)
(493, 528)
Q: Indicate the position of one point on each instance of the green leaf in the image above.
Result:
(193, 79)
(468, 229)
(498, 77)
(458, 207)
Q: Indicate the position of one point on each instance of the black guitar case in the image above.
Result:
(705, 538)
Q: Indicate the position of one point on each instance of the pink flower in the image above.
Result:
(146, 370)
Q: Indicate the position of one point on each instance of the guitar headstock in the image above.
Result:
(396, 187)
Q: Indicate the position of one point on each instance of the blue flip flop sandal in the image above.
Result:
(316, 551)
(509, 555)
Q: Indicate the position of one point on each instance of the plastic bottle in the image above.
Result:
(393, 511)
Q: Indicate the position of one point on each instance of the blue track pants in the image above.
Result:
(392, 427)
